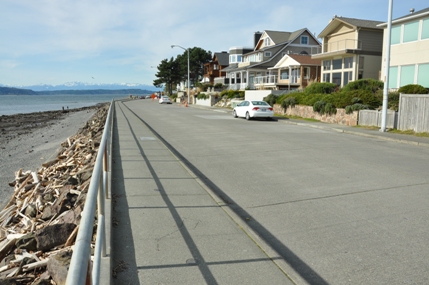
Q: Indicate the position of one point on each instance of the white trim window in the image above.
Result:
(267, 54)
(304, 40)
(267, 42)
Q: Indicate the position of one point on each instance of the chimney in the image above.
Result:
(256, 38)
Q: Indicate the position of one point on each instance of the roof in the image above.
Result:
(305, 59)
(278, 37)
(222, 58)
(358, 23)
(410, 16)
(361, 23)
(230, 67)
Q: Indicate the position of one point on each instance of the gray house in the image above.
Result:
(253, 71)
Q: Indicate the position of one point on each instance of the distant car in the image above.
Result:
(253, 109)
(164, 100)
(147, 97)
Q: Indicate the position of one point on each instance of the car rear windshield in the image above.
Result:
(259, 103)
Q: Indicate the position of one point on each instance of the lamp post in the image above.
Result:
(386, 69)
(172, 46)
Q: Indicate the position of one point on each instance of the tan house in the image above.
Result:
(351, 50)
(296, 71)
(409, 50)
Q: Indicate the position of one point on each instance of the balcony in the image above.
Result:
(267, 81)
(339, 47)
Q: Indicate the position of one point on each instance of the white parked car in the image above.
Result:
(165, 100)
(253, 109)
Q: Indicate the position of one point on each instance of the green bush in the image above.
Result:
(319, 106)
(271, 99)
(413, 89)
(232, 94)
(202, 96)
(330, 109)
(218, 86)
(365, 97)
(320, 87)
(289, 101)
(368, 84)
(355, 107)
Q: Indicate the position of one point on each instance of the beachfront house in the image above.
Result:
(296, 71)
(351, 50)
(213, 69)
(254, 72)
(409, 50)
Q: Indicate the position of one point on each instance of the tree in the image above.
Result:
(168, 74)
(197, 58)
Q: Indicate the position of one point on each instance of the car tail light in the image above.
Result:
(270, 109)
(255, 109)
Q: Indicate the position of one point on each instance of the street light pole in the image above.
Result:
(172, 46)
(386, 69)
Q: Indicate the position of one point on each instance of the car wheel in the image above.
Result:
(234, 114)
(247, 116)
(268, 118)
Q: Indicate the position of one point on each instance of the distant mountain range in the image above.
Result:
(76, 85)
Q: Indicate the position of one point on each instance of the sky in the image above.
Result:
(116, 41)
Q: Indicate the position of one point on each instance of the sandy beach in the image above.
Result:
(28, 140)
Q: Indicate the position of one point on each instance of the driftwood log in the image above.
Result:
(38, 226)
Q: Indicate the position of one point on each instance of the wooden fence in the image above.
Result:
(414, 113)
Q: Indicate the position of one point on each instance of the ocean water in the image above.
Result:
(17, 104)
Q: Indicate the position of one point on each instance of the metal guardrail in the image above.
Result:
(80, 270)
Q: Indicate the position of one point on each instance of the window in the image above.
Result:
(304, 40)
(337, 63)
(361, 62)
(348, 62)
(423, 77)
(425, 29)
(239, 58)
(284, 74)
(336, 78)
(411, 32)
(326, 65)
(393, 77)
(232, 58)
(395, 37)
(306, 72)
(407, 75)
(326, 77)
(268, 54)
(347, 77)
(267, 42)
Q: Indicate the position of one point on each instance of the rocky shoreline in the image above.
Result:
(40, 221)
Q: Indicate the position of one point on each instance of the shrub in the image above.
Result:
(365, 97)
(413, 89)
(290, 101)
(271, 99)
(319, 106)
(355, 107)
(232, 94)
(330, 109)
(218, 86)
(202, 96)
(320, 87)
(368, 84)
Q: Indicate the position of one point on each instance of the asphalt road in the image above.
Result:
(339, 208)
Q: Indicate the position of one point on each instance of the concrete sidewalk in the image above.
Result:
(167, 227)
